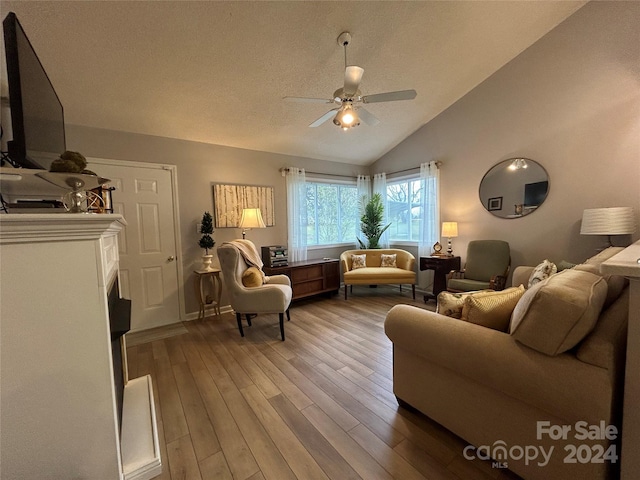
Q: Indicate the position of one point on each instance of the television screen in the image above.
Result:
(37, 117)
(535, 193)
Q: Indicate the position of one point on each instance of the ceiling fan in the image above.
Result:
(349, 98)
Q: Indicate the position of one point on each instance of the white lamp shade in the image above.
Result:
(608, 221)
(251, 218)
(450, 229)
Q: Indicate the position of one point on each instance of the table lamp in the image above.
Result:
(608, 221)
(449, 230)
(251, 218)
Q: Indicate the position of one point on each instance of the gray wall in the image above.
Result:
(572, 103)
(199, 165)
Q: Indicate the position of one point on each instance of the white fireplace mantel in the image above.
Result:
(58, 401)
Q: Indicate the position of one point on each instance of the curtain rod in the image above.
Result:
(438, 165)
(286, 169)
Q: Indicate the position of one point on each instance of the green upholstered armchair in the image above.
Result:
(487, 267)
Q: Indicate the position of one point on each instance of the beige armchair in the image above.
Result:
(272, 297)
(486, 267)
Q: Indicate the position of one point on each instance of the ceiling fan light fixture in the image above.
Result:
(346, 118)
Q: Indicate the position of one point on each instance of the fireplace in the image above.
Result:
(120, 323)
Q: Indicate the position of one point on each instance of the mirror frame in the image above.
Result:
(494, 203)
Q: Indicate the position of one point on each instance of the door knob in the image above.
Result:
(171, 258)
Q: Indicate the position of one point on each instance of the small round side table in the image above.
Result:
(208, 290)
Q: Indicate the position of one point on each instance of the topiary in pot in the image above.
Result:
(206, 241)
(371, 221)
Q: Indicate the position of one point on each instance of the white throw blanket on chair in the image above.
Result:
(249, 253)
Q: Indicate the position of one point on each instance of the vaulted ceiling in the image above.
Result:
(216, 72)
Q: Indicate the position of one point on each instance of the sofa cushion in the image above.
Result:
(492, 309)
(379, 275)
(252, 277)
(606, 342)
(542, 271)
(557, 313)
(615, 283)
(604, 255)
(388, 260)
(358, 261)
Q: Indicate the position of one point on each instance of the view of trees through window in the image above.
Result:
(333, 212)
(404, 211)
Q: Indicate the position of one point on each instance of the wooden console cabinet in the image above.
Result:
(310, 277)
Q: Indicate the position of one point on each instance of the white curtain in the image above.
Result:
(430, 207)
(363, 184)
(380, 186)
(296, 214)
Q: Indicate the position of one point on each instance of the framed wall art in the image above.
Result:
(229, 200)
(494, 203)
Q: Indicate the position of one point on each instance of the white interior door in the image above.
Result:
(149, 269)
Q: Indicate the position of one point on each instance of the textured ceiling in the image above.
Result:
(216, 72)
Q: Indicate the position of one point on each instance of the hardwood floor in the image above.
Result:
(318, 406)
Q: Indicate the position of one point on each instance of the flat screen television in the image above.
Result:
(37, 116)
(535, 193)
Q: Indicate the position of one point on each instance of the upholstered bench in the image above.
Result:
(378, 267)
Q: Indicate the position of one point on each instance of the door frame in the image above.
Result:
(173, 170)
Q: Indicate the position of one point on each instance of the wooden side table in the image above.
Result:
(441, 265)
(208, 290)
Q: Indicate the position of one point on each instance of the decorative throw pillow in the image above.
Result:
(542, 271)
(492, 309)
(450, 304)
(564, 265)
(556, 314)
(252, 277)
(388, 260)
(358, 261)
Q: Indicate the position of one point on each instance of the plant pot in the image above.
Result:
(206, 262)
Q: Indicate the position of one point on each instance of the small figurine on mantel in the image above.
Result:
(70, 162)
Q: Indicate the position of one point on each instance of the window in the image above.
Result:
(332, 213)
(404, 209)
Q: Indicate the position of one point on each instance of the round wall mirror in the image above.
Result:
(514, 188)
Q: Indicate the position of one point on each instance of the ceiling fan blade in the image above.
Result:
(308, 100)
(324, 118)
(390, 96)
(368, 117)
(352, 79)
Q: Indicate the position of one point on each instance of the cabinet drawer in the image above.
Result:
(301, 289)
(306, 273)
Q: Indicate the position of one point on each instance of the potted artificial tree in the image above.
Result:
(206, 241)
(371, 221)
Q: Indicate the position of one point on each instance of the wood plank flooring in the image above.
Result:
(319, 405)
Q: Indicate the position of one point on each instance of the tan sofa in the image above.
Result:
(492, 390)
(374, 273)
